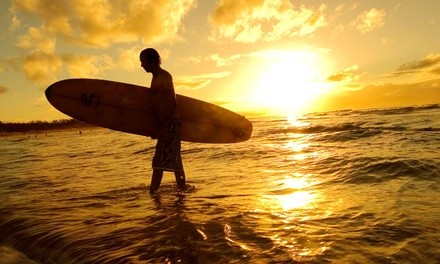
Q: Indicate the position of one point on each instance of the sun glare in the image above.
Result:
(289, 81)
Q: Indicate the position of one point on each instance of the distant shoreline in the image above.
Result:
(39, 126)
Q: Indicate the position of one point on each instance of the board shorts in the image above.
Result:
(167, 156)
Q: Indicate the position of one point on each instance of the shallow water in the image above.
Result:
(337, 187)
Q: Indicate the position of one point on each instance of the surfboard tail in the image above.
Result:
(245, 130)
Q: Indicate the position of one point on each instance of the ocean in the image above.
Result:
(351, 186)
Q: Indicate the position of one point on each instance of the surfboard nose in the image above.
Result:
(48, 92)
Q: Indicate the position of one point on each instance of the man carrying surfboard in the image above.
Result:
(163, 97)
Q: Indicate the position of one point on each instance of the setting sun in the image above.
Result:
(289, 81)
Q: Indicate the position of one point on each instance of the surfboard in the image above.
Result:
(127, 108)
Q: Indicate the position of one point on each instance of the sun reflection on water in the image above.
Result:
(293, 193)
(299, 199)
(295, 199)
(297, 121)
(298, 145)
(293, 202)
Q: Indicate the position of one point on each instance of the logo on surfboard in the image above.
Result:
(91, 100)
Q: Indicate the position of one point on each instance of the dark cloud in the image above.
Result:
(420, 65)
(339, 77)
(347, 75)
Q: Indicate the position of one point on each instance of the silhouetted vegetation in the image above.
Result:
(42, 125)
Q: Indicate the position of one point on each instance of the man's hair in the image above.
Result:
(151, 55)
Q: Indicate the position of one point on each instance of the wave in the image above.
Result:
(347, 131)
(337, 132)
(318, 129)
(381, 111)
(377, 171)
(48, 244)
(9, 254)
(427, 129)
(27, 236)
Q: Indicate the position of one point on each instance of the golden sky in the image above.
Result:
(246, 55)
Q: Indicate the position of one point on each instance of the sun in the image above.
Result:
(290, 81)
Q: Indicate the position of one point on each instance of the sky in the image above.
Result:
(273, 56)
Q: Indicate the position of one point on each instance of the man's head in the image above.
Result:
(150, 59)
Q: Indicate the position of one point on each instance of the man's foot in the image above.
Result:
(187, 189)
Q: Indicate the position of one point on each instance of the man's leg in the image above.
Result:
(180, 179)
(156, 178)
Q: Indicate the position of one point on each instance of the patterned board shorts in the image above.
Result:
(167, 156)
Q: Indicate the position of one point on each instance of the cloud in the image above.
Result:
(267, 20)
(189, 60)
(370, 20)
(3, 89)
(339, 9)
(436, 71)
(225, 61)
(15, 23)
(129, 58)
(386, 95)
(99, 23)
(428, 62)
(11, 62)
(196, 82)
(429, 65)
(103, 23)
(86, 65)
(37, 40)
(338, 30)
(347, 75)
(365, 22)
(379, 94)
(41, 68)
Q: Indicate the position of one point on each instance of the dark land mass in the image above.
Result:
(35, 126)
